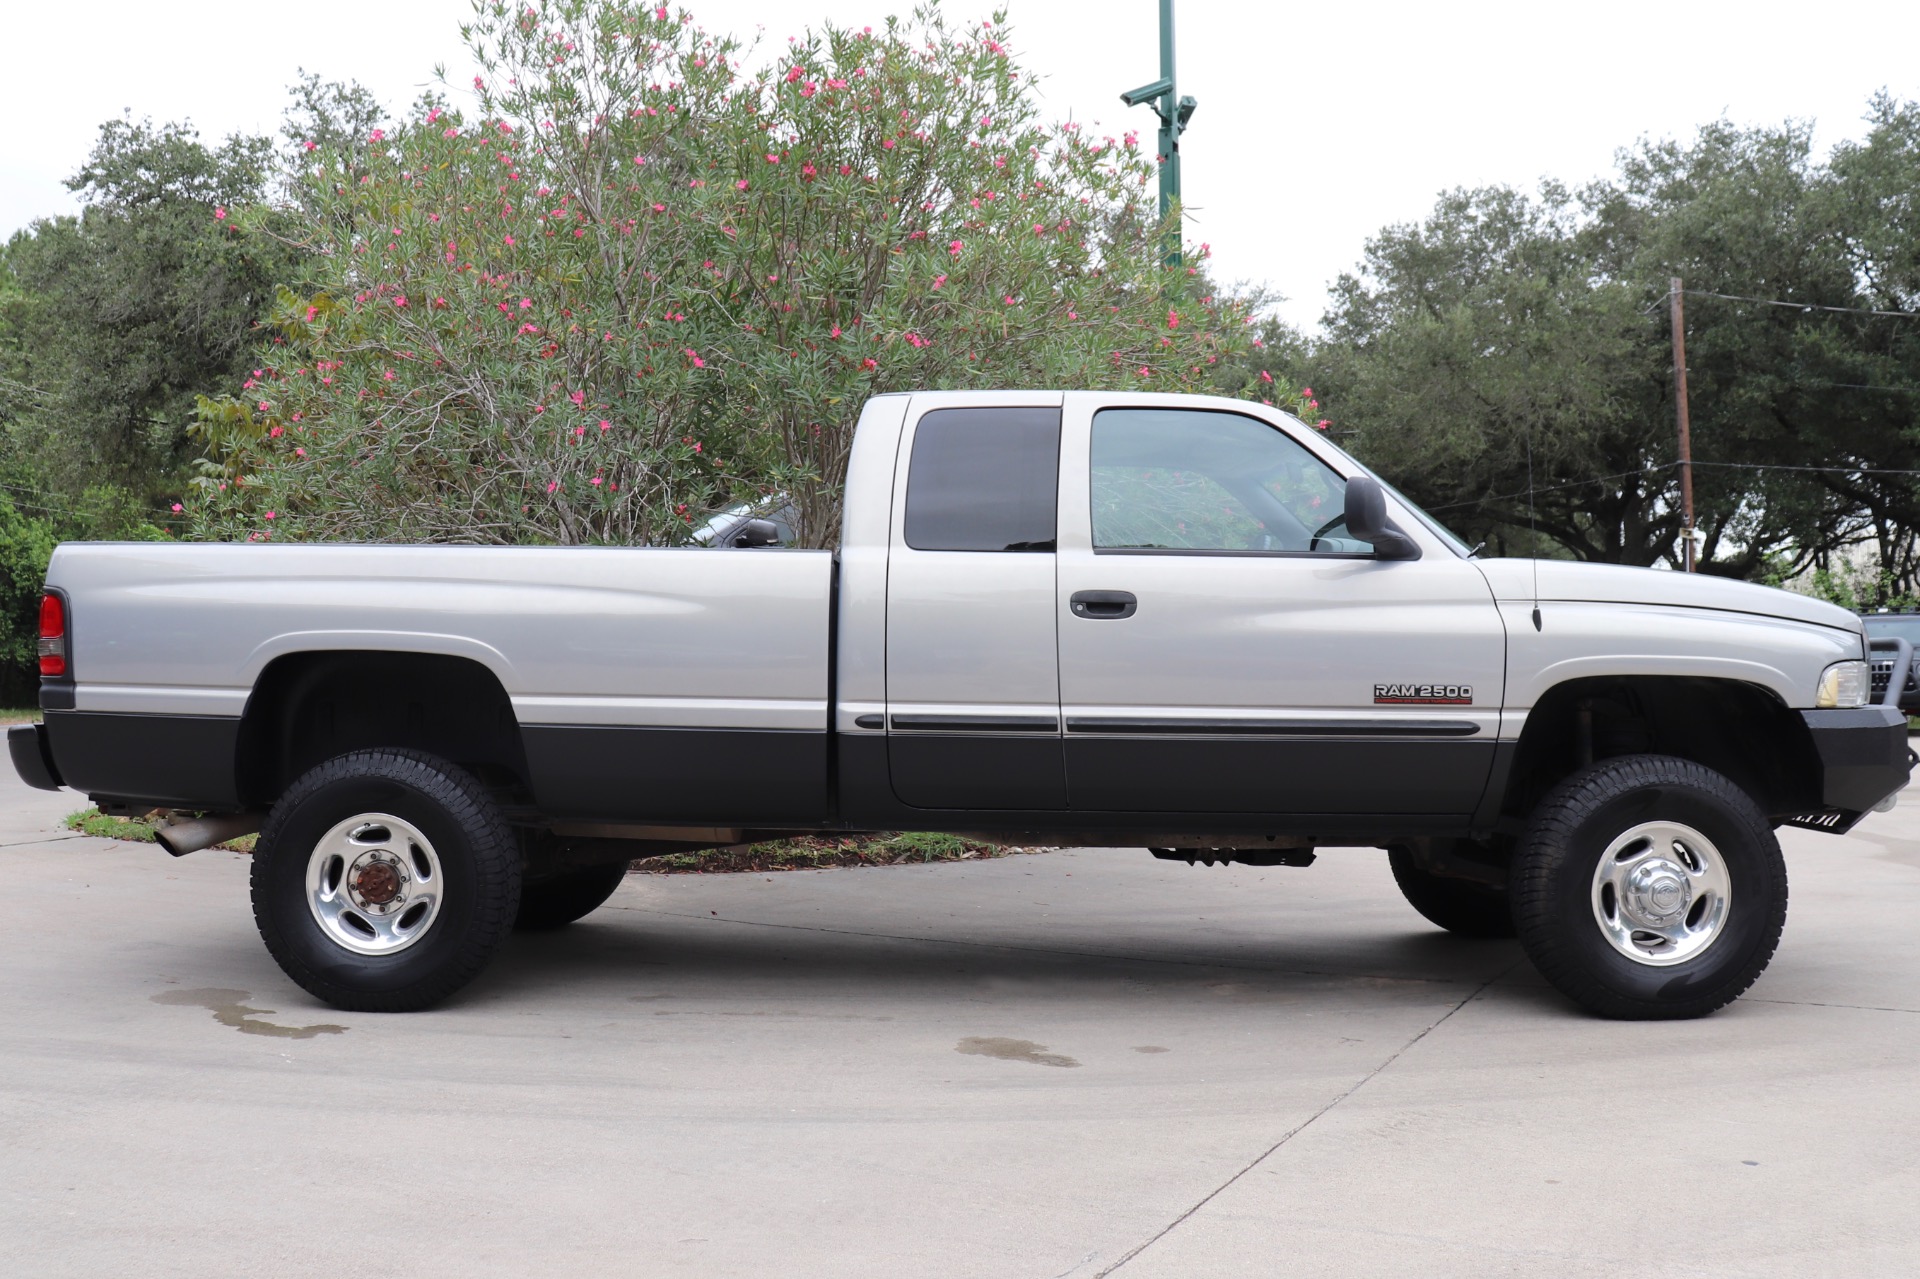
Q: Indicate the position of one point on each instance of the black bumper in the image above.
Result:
(27, 743)
(1863, 755)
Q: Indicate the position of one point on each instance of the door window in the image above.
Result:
(984, 480)
(1199, 480)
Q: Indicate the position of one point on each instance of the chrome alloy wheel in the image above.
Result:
(1660, 893)
(374, 884)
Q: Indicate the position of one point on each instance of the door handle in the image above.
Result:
(1101, 605)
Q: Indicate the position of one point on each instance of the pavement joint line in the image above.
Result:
(51, 839)
(1308, 1122)
(1048, 950)
(1816, 1003)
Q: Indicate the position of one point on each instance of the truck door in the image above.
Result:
(973, 693)
(1223, 648)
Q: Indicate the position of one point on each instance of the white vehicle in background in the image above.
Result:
(1181, 623)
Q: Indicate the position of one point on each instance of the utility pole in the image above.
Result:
(1174, 112)
(1678, 317)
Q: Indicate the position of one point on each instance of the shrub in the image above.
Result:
(651, 272)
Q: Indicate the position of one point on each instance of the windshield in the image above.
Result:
(1434, 526)
(1904, 625)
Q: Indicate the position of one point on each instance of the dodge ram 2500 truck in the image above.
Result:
(1187, 624)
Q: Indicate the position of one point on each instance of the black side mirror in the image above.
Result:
(1367, 521)
(756, 533)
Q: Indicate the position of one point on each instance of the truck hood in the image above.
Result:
(1513, 579)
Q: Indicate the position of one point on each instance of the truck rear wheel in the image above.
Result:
(1457, 905)
(1648, 887)
(384, 880)
(554, 901)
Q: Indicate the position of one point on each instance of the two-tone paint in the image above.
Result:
(883, 686)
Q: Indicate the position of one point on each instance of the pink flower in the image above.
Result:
(955, 247)
(808, 89)
(509, 242)
(1073, 315)
(1145, 371)
(659, 208)
(1307, 391)
(450, 132)
(698, 363)
(378, 135)
(277, 431)
(795, 73)
(808, 172)
(263, 406)
(1265, 376)
(661, 13)
(1173, 318)
(1323, 424)
(220, 213)
(939, 280)
(605, 425)
(596, 480)
(741, 185)
(269, 514)
(579, 430)
(526, 303)
(639, 159)
(552, 485)
(400, 302)
(869, 363)
(579, 399)
(177, 508)
(299, 452)
(836, 332)
(772, 158)
(310, 146)
(440, 304)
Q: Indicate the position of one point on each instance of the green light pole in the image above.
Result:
(1174, 112)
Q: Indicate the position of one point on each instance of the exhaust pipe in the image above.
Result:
(181, 838)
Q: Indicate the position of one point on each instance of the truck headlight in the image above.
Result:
(1844, 684)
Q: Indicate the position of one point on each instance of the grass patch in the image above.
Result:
(814, 852)
(19, 715)
(91, 821)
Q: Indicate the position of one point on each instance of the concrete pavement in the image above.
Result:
(1070, 1064)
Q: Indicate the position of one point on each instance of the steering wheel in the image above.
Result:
(1313, 543)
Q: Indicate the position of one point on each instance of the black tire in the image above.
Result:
(554, 901)
(478, 864)
(1457, 905)
(1555, 875)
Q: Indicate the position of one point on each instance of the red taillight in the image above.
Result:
(53, 635)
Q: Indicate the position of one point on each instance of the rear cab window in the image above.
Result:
(984, 480)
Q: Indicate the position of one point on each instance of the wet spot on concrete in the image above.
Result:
(229, 1009)
(1152, 1048)
(1011, 1050)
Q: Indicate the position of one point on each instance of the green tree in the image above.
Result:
(1510, 357)
(132, 308)
(651, 272)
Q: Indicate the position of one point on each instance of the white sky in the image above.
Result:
(1318, 124)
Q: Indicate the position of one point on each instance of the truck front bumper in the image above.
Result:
(1863, 759)
(27, 743)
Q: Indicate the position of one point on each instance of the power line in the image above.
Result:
(1801, 306)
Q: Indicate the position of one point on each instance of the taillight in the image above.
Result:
(53, 635)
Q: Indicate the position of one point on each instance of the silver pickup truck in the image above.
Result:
(1186, 624)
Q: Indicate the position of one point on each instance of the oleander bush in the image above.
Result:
(650, 270)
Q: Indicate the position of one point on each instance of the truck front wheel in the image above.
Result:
(1648, 887)
(384, 880)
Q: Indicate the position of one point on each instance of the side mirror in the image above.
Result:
(756, 533)
(1367, 521)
